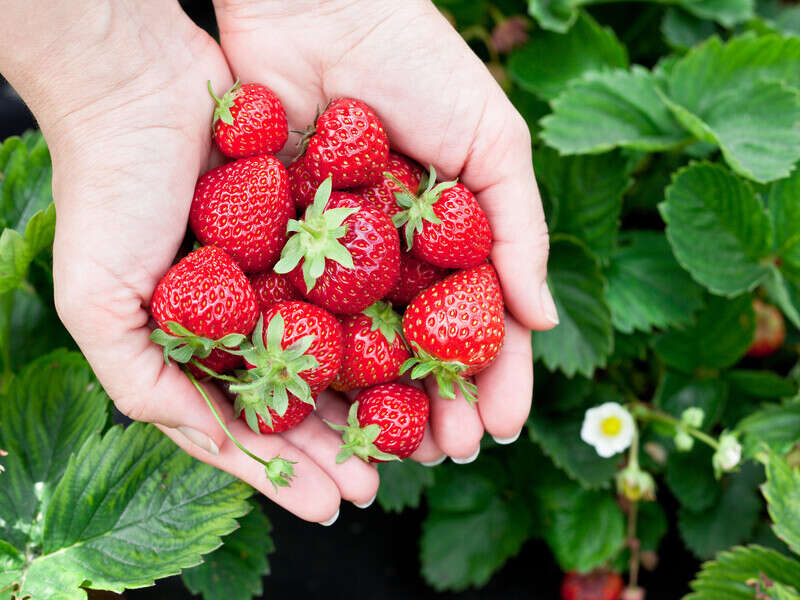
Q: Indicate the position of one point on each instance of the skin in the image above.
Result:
(118, 89)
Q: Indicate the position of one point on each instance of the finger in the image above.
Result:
(456, 425)
(505, 388)
(428, 451)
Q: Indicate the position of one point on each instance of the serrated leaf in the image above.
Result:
(690, 477)
(602, 111)
(548, 61)
(726, 12)
(555, 15)
(782, 491)
(647, 287)
(676, 392)
(235, 569)
(761, 384)
(584, 338)
(785, 293)
(402, 484)
(719, 337)
(683, 30)
(783, 203)
(776, 425)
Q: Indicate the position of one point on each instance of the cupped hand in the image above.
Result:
(441, 106)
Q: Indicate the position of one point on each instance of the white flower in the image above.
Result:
(609, 428)
(728, 454)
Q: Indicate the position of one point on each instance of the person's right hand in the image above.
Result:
(125, 110)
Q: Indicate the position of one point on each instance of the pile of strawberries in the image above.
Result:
(302, 274)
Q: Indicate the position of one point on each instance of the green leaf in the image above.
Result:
(782, 491)
(677, 392)
(234, 571)
(761, 384)
(785, 293)
(690, 478)
(588, 192)
(402, 484)
(651, 525)
(729, 521)
(717, 339)
(683, 30)
(725, 12)
(584, 337)
(726, 578)
(647, 287)
(548, 61)
(555, 15)
(784, 211)
(776, 425)
(718, 229)
(620, 108)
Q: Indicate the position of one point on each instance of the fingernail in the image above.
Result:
(366, 504)
(469, 459)
(548, 305)
(330, 521)
(199, 439)
(508, 440)
(433, 463)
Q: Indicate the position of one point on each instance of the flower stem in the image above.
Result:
(646, 413)
(198, 365)
(633, 544)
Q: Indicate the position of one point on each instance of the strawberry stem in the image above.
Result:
(447, 373)
(359, 440)
(201, 367)
(418, 208)
(385, 319)
(224, 104)
(181, 345)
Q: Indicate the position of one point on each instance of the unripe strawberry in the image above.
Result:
(770, 331)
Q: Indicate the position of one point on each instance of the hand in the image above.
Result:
(441, 106)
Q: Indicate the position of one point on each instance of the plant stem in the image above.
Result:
(213, 374)
(633, 544)
(646, 413)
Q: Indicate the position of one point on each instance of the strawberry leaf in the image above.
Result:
(782, 492)
(784, 213)
(402, 484)
(682, 30)
(690, 478)
(776, 426)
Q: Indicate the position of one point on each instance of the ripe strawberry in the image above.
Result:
(243, 207)
(373, 348)
(202, 305)
(344, 254)
(770, 330)
(271, 288)
(456, 329)
(444, 225)
(402, 169)
(347, 142)
(415, 276)
(296, 413)
(597, 585)
(294, 358)
(249, 120)
(386, 422)
(301, 185)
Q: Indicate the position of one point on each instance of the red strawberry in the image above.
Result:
(415, 276)
(444, 225)
(382, 193)
(348, 143)
(373, 348)
(301, 185)
(271, 288)
(344, 254)
(386, 422)
(243, 207)
(296, 413)
(249, 120)
(202, 305)
(770, 330)
(295, 357)
(597, 585)
(456, 328)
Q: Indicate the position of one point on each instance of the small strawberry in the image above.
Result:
(374, 348)
(597, 585)
(271, 287)
(444, 225)
(770, 330)
(301, 185)
(203, 305)
(249, 120)
(296, 413)
(243, 207)
(401, 169)
(294, 358)
(280, 472)
(415, 276)
(456, 329)
(344, 255)
(348, 143)
(386, 422)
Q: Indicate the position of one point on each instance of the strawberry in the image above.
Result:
(415, 276)
(271, 288)
(294, 358)
(249, 120)
(373, 348)
(344, 255)
(202, 305)
(382, 193)
(444, 225)
(456, 329)
(386, 422)
(348, 143)
(301, 185)
(597, 585)
(296, 413)
(243, 207)
(770, 330)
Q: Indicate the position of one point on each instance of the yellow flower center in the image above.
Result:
(611, 426)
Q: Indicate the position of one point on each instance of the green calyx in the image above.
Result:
(359, 440)
(181, 345)
(418, 208)
(448, 374)
(385, 320)
(275, 375)
(316, 238)
(224, 104)
(280, 472)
